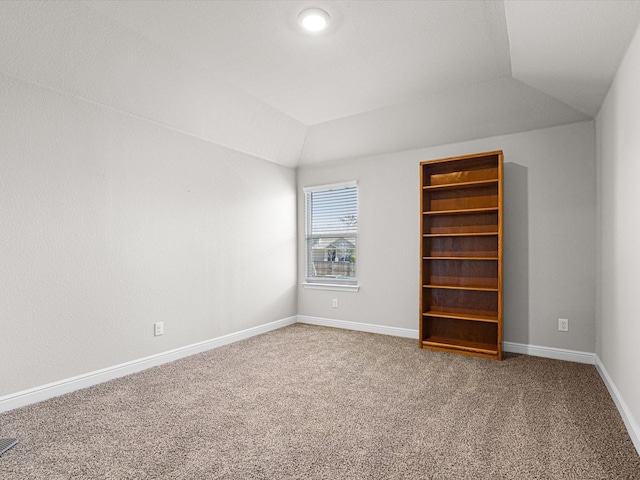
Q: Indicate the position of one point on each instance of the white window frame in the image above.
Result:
(324, 283)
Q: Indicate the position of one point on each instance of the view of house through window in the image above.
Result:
(331, 213)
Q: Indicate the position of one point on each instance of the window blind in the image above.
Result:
(331, 233)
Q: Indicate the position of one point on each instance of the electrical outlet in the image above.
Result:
(563, 324)
(158, 328)
(334, 303)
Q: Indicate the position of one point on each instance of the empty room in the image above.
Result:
(338, 239)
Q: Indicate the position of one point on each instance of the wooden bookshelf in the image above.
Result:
(461, 209)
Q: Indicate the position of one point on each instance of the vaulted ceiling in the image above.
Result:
(386, 76)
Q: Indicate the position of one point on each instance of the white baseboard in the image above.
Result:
(360, 327)
(43, 392)
(550, 352)
(538, 351)
(38, 394)
(633, 427)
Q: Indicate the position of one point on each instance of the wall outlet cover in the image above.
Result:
(563, 324)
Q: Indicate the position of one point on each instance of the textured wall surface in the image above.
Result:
(550, 205)
(501, 106)
(111, 223)
(618, 125)
(72, 48)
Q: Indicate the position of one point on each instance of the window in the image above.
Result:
(331, 234)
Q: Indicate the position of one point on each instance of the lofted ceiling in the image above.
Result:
(386, 76)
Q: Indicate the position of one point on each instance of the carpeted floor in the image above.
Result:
(309, 402)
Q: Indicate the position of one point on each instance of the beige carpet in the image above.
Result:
(308, 402)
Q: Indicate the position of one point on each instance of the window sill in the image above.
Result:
(332, 286)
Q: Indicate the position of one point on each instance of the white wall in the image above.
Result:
(75, 48)
(618, 141)
(110, 223)
(550, 235)
(504, 105)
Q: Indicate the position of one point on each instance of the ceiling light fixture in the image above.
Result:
(314, 20)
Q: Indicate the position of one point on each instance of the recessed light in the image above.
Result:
(313, 20)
